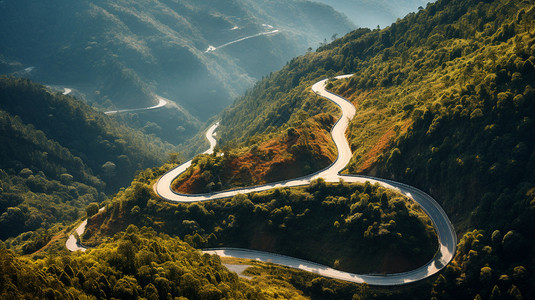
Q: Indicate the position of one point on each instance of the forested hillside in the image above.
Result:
(119, 54)
(444, 102)
(145, 262)
(57, 155)
(355, 227)
(137, 263)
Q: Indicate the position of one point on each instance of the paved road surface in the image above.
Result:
(161, 103)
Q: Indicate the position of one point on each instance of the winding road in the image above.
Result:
(446, 234)
(443, 227)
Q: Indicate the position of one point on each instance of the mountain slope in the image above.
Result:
(57, 155)
(444, 102)
(136, 263)
(125, 51)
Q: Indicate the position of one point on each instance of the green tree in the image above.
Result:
(91, 209)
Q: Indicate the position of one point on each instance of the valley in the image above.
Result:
(145, 48)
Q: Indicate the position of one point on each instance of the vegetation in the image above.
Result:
(360, 228)
(120, 53)
(137, 263)
(444, 102)
(142, 264)
(57, 156)
(290, 154)
(112, 152)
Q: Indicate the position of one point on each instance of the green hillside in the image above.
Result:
(355, 227)
(444, 102)
(136, 264)
(57, 155)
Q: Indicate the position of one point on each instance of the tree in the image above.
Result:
(108, 169)
(66, 179)
(173, 158)
(91, 209)
(485, 276)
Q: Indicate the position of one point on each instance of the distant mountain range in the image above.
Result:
(120, 54)
(57, 155)
(378, 12)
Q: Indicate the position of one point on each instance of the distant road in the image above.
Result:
(446, 234)
(161, 103)
(212, 48)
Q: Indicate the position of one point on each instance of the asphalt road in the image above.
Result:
(446, 234)
(72, 244)
(161, 103)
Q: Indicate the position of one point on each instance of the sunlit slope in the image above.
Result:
(444, 102)
(121, 269)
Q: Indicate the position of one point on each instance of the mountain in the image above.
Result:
(377, 12)
(121, 54)
(444, 102)
(57, 155)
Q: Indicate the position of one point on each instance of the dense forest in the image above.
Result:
(466, 91)
(57, 155)
(137, 263)
(142, 264)
(359, 228)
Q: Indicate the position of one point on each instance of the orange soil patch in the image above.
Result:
(272, 160)
(276, 152)
(188, 186)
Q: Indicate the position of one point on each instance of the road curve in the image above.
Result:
(446, 234)
(72, 244)
(161, 103)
